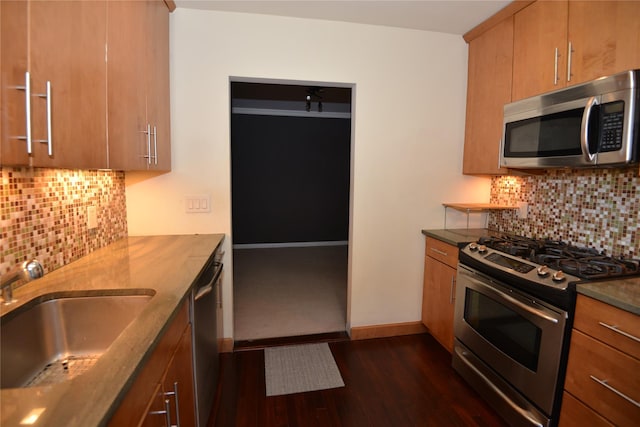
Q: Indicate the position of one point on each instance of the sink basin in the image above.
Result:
(51, 340)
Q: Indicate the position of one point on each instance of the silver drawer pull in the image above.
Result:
(27, 94)
(623, 333)
(166, 413)
(608, 387)
(438, 251)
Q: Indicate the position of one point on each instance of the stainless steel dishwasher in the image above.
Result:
(205, 341)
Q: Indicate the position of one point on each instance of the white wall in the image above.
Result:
(410, 91)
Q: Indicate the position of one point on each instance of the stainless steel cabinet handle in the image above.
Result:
(27, 107)
(174, 393)
(49, 132)
(166, 412)
(438, 251)
(569, 62)
(155, 145)
(47, 141)
(623, 333)
(148, 133)
(619, 393)
(555, 68)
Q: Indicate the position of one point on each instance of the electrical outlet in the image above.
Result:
(523, 210)
(197, 203)
(92, 217)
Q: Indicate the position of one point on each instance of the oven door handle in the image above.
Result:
(531, 310)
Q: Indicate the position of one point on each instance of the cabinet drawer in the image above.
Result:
(441, 251)
(618, 328)
(590, 359)
(576, 414)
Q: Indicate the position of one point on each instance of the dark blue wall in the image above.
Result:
(290, 178)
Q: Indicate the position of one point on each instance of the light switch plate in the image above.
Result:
(197, 203)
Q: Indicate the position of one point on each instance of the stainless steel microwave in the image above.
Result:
(593, 124)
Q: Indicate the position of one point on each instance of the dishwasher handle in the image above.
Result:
(206, 289)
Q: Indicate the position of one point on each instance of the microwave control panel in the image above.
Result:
(611, 126)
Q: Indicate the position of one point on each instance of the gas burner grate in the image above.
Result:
(583, 262)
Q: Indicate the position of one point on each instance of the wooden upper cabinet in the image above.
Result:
(605, 37)
(488, 89)
(138, 93)
(539, 43)
(67, 41)
(14, 59)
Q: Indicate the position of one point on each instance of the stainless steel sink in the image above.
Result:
(50, 340)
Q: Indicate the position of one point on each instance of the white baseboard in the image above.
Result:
(289, 245)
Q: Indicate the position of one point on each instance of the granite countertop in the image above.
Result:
(458, 237)
(168, 265)
(621, 293)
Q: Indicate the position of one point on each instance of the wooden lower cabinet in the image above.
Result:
(438, 294)
(577, 414)
(603, 375)
(164, 387)
(173, 397)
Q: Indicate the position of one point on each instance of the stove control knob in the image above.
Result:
(482, 249)
(558, 276)
(473, 246)
(543, 271)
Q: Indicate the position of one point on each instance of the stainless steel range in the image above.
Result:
(514, 307)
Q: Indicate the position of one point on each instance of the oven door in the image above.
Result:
(517, 337)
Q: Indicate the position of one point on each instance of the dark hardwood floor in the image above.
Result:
(398, 381)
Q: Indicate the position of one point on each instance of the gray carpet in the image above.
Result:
(300, 368)
(281, 292)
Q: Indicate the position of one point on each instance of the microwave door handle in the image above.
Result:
(584, 130)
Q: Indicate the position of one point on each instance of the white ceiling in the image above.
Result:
(446, 16)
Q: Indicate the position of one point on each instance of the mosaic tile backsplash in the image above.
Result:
(43, 214)
(595, 208)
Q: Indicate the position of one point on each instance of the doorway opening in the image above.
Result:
(290, 191)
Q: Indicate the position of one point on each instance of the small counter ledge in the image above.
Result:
(168, 265)
(621, 293)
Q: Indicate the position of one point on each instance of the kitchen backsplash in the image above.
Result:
(597, 208)
(43, 214)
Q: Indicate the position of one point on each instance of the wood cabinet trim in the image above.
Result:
(502, 14)
(171, 5)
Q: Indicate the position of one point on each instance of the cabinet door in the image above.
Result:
(178, 383)
(605, 36)
(540, 29)
(13, 63)
(488, 89)
(127, 32)
(438, 301)
(138, 73)
(67, 42)
(157, 79)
